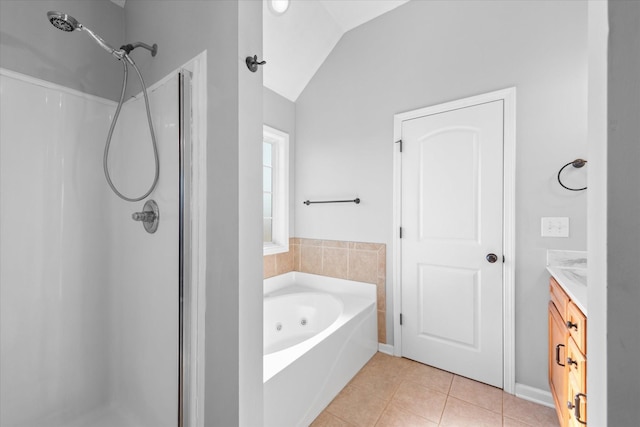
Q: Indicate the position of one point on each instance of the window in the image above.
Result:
(275, 191)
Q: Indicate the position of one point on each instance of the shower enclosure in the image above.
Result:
(95, 314)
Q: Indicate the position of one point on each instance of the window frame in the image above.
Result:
(280, 191)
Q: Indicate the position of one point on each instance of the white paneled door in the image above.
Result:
(452, 226)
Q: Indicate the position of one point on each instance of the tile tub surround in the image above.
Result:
(362, 262)
(393, 391)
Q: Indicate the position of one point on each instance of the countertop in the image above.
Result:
(569, 268)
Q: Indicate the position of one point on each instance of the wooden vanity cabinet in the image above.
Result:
(558, 336)
(567, 357)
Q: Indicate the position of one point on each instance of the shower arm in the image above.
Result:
(129, 47)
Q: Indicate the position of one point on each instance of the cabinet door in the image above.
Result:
(576, 402)
(557, 362)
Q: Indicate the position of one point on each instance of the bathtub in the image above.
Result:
(318, 333)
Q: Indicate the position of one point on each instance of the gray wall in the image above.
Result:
(623, 229)
(425, 53)
(29, 44)
(280, 113)
(229, 31)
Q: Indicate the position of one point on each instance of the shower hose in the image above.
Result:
(124, 60)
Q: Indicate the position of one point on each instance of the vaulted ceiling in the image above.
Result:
(298, 42)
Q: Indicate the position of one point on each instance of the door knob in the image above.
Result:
(492, 258)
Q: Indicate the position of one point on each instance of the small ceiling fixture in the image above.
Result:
(278, 7)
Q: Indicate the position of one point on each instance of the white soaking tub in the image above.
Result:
(318, 333)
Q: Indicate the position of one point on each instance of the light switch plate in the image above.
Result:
(555, 227)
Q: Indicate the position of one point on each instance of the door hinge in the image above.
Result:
(399, 142)
(401, 232)
(400, 319)
(503, 259)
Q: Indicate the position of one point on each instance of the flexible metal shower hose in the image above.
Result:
(105, 158)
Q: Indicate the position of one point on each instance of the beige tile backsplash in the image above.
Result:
(363, 262)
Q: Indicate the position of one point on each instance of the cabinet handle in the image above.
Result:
(576, 407)
(572, 325)
(570, 362)
(558, 354)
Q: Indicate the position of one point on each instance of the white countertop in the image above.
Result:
(574, 283)
(569, 268)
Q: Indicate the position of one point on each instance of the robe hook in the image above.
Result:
(252, 63)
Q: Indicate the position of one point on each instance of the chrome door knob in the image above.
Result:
(492, 258)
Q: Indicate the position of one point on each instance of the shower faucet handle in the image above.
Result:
(144, 216)
(150, 216)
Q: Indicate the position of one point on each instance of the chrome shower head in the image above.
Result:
(67, 23)
(63, 22)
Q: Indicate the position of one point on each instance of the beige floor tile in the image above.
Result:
(420, 400)
(391, 365)
(479, 394)
(428, 376)
(528, 412)
(395, 416)
(377, 382)
(356, 407)
(510, 422)
(458, 413)
(325, 419)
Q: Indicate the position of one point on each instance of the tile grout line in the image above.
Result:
(389, 402)
(329, 412)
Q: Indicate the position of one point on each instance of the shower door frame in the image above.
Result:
(192, 242)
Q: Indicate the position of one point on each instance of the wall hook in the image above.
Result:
(252, 63)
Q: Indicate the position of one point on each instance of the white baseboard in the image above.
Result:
(535, 395)
(385, 348)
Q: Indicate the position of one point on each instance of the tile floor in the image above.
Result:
(392, 391)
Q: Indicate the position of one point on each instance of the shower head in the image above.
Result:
(63, 22)
(67, 23)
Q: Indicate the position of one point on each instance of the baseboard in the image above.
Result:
(385, 348)
(535, 395)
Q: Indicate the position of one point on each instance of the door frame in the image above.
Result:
(507, 95)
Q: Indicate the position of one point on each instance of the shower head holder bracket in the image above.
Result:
(130, 46)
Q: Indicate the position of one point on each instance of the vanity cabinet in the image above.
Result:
(567, 357)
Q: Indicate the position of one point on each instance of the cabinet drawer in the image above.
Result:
(577, 324)
(576, 364)
(559, 297)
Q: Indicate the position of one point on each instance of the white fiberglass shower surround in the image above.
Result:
(93, 331)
